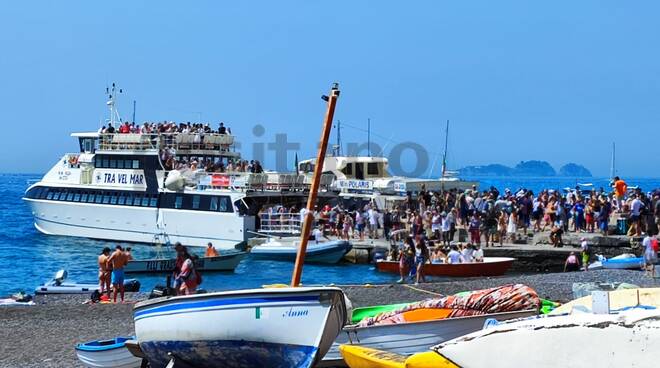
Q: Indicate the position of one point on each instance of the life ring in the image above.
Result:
(73, 160)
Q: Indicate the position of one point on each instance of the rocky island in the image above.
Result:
(534, 168)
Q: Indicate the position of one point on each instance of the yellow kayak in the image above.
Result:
(360, 357)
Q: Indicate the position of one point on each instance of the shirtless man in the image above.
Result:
(118, 260)
(104, 271)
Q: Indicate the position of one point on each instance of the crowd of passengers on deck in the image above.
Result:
(165, 127)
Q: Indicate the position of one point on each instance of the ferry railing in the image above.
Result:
(201, 142)
(280, 223)
(259, 181)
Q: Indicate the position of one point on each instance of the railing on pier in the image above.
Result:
(201, 143)
(280, 223)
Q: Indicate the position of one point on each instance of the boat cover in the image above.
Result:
(507, 298)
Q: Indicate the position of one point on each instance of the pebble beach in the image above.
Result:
(44, 335)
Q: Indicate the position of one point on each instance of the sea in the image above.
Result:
(29, 258)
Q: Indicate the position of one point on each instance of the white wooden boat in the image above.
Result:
(107, 354)
(287, 327)
(411, 338)
(224, 262)
(285, 250)
(626, 339)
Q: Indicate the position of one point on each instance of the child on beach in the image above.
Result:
(512, 226)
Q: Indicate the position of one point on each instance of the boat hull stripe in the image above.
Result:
(180, 307)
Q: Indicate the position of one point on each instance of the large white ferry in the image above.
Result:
(117, 188)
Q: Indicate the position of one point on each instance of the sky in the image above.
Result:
(518, 80)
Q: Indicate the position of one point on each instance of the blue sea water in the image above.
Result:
(29, 258)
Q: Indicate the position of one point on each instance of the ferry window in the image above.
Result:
(63, 195)
(178, 201)
(50, 195)
(195, 202)
(136, 164)
(214, 204)
(113, 164)
(136, 199)
(105, 163)
(88, 145)
(225, 205)
(120, 164)
(69, 197)
(113, 198)
(99, 198)
(145, 201)
(44, 193)
(348, 170)
(106, 198)
(372, 168)
(153, 202)
(83, 197)
(122, 198)
(35, 192)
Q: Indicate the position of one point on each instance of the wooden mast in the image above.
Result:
(316, 180)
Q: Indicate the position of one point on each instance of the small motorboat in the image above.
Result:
(624, 261)
(225, 262)
(491, 266)
(285, 250)
(58, 285)
(110, 353)
(279, 327)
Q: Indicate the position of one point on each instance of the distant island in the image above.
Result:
(525, 168)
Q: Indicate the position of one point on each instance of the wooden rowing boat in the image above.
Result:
(491, 266)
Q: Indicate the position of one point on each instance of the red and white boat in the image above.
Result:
(491, 266)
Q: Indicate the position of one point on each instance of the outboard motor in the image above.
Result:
(60, 276)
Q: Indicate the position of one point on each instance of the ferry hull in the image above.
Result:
(138, 224)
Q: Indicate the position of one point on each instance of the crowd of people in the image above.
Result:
(165, 127)
(489, 218)
(210, 164)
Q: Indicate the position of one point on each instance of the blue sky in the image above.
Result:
(556, 81)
